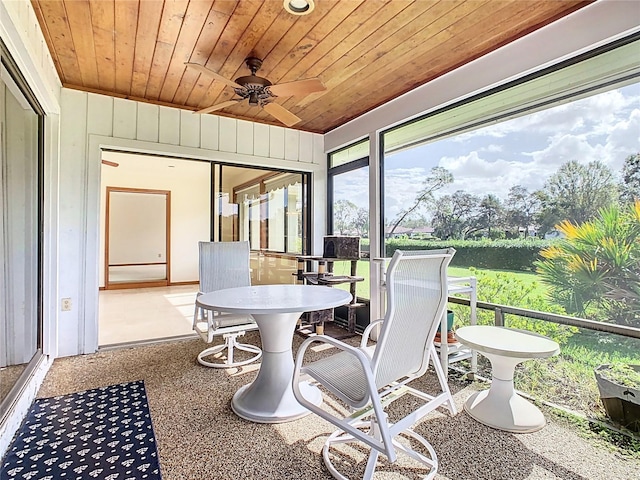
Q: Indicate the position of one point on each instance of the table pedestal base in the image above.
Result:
(269, 398)
(276, 310)
(500, 406)
(517, 415)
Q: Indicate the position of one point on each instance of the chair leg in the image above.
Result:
(229, 344)
(444, 384)
(373, 454)
(340, 437)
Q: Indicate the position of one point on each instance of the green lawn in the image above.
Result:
(526, 278)
(343, 268)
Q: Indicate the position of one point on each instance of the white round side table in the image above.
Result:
(500, 406)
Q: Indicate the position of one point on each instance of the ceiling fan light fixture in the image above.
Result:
(253, 99)
(299, 7)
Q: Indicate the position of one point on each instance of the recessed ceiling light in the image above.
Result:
(298, 7)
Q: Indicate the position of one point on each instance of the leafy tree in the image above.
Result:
(455, 216)
(597, 265)
(522, 207)
(576, 192)
(361, 222)
(630, 185)
(415, 221)
(438, 178)
(490, 213)
(344, 216)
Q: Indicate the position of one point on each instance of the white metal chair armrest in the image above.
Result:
(348, 374)
(367, 331)
(383, 444)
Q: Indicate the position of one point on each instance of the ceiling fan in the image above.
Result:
(259, 91)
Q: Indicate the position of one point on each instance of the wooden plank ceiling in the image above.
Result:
(366, 52)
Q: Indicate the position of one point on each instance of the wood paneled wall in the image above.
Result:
(126, 119)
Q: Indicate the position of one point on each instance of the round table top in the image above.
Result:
(507, 342)
(274, 299)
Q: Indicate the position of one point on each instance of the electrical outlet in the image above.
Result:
(66, 304)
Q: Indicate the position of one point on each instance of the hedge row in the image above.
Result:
(517, 255)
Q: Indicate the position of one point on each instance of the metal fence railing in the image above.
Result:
(501, 310)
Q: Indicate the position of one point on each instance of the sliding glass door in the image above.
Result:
(267, 208)
(20, 230)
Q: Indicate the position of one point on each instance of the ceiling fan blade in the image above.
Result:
(301, 87)
(219, 106)
(110, 163)
(213, 74)
(282, 114)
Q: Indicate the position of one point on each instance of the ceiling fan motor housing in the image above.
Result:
(254, 87)
(260, 92)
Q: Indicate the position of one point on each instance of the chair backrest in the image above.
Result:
(416, 284)
(223, 265)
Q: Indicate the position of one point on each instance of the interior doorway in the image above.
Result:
(137, 238)
(209, 201)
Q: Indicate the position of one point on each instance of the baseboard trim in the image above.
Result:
(141, 343)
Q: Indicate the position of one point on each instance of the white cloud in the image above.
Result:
(523, 151)
(493, 148)
(480, 176)
(597, 112)
(624, 139)
(353, 186)
(401, 186)
(563, 148)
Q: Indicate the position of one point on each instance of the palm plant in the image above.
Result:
(597, 264)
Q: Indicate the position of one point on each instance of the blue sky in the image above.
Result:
(523, 151)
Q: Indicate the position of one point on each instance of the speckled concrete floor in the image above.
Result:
(200, 438)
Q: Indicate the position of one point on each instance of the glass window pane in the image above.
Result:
(584, 76)
(546, 176)
(350, 211)
(277, 219)
(294, 218)
(267, 210)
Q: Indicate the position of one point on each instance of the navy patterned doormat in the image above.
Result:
(104, 433)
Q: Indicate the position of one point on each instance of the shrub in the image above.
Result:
(504, 289)
(597, 266)
(515, 255)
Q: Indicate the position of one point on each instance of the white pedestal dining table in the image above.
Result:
(276, 309)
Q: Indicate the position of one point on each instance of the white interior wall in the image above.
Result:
(189, 184)
(138, 227)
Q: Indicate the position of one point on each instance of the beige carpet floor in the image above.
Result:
(200, 438)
